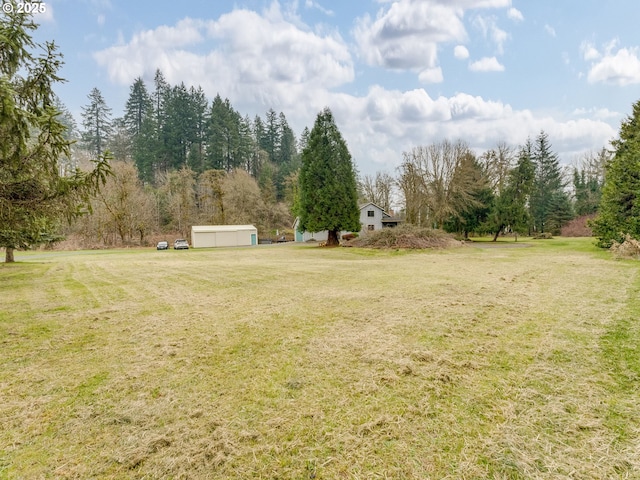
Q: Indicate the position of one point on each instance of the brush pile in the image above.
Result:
(405, 236)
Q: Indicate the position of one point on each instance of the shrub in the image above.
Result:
(405, 236)
(629, 248)
(543, 236)
(578, 227)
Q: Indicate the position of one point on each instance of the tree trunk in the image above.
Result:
(332, 238)
(495, 237)
(8, 257)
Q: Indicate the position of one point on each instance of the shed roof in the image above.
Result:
(221, 228)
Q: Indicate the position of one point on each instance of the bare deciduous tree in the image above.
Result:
(437, 182)
(378, 189)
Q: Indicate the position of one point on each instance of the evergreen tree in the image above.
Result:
(510, 205)
(139, 121)
(34, 196)
(96, 119)
(199, 104)
(549, 201)
(121, 142)
(246, 147)
(328, 191)
(588, 181)
(287, 142)
(223, 135)
(270, 142)
(137, 108)
(67, 163)
(160, 96)
(304, 139)
(474, 183)
(619, 212)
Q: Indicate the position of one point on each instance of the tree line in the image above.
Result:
(524, 190)
(173, 127)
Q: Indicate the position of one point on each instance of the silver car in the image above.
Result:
(181, 245)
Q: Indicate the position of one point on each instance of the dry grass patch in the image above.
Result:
(296, 362)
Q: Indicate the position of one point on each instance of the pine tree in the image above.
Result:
(619, 212)
(137, 108)
(223, 133)
(139, 121)
(510, 205)
(549, 201)
(96, 119)
(34, 196)
(328, 188)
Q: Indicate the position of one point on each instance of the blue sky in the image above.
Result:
(396, 74)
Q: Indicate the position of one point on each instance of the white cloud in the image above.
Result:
(461, 52)
(431, 75)
(550, 30)
(486, 64)
(490, 30)
(589, 52)
(621, 68)
(515, 14)
(406, 35)
(317, 6)
(265, 56)
(380, 126)
(612, 65)
(597, 113)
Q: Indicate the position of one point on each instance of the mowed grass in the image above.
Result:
(299, 362)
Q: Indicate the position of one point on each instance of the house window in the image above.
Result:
(371, 227)
(371, 213)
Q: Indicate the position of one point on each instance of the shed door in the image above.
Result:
(254, 239)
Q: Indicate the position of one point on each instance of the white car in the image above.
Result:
(181, 245)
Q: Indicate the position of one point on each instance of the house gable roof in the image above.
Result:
(371, 204)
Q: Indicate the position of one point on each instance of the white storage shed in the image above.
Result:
(203, 236)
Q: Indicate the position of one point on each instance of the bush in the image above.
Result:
(543, 236)
(578, 227)
(630, 248)
(405, 236)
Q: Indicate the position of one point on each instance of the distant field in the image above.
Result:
(298, 362)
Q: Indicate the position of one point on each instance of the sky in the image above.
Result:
(395, 74)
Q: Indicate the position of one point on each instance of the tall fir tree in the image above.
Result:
(549, 203)
(138, 107)
(96, 120)
(328, 186)
(34, 195)
(139, 120)
(223, 134)
(510, 204)
(619, 212)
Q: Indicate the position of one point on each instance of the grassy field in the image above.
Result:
(298, 362)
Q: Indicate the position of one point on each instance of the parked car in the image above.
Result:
(162, 246)
(181, 245)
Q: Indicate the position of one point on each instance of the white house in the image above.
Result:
(372, 217)
(223, 236)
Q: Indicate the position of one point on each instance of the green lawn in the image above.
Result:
(298, 362)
